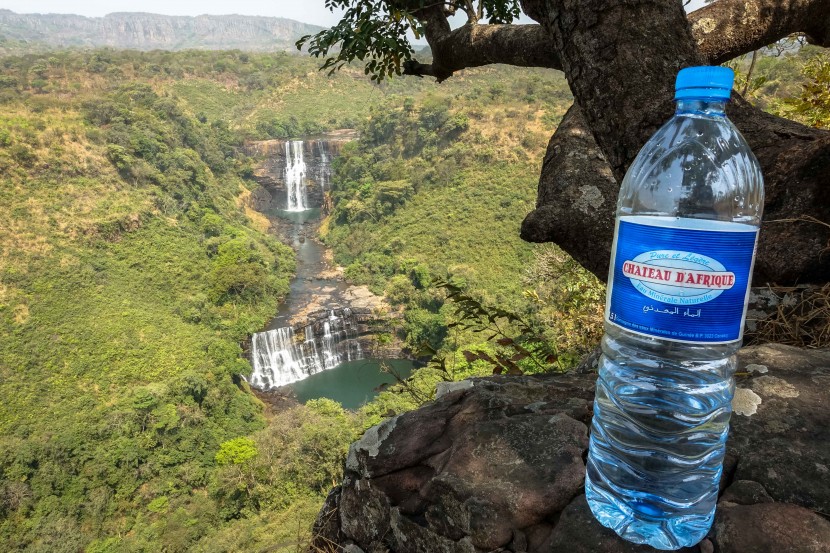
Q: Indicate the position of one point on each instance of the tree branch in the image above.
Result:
(577, 196)
(729, 28)
(477, 45)
(722, 30)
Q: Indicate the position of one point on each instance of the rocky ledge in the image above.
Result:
(497, 464)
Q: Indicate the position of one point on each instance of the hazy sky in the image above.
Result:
(307, 11)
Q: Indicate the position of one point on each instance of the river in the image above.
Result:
(318, 344)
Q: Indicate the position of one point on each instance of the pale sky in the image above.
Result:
(307, 11)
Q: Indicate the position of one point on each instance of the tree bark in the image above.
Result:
(723, 30)
(795, 162)
(477, 45)
(577, 196)
(794, 159)
(621, 59)
(730, 28)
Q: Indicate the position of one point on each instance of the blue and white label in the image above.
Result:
(684, 280)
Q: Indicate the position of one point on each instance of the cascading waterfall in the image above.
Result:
(295, 171)
(282, 356)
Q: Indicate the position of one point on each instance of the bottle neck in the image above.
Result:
(701, 108)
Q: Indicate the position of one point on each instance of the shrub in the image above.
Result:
(236, 451)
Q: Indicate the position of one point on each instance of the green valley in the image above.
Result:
(133, 270)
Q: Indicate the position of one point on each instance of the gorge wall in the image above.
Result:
(147, 31)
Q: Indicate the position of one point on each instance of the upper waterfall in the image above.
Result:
(295, 173)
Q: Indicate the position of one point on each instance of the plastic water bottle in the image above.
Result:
(684, 247)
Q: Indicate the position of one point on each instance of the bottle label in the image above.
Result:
(684, 280)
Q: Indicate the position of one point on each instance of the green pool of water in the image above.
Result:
(352, 383)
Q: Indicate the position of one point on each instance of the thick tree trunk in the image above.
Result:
(577, 197)
(621, 69)
(623, 83)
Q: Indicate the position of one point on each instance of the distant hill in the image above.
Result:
(147, 31)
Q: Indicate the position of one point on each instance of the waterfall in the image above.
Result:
(285, 355)
(295, 171)
(323, 166)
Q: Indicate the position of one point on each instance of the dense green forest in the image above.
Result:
(131, 270)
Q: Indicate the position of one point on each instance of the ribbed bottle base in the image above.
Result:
(635, 525)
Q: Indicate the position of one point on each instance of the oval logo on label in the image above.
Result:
(677, 277)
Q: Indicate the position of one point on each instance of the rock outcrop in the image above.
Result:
(497, 464)
(367, 324)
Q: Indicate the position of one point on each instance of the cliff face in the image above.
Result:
(146, 31)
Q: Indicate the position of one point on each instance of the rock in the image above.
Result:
(579, 532)
(746, 492)
(370, 507)
(317, 153)
(327, 522)
(507, 474)
(259, 199)
(770, 528)
(785, 446)
(444, 388)
(745, 402)
(496, 464)
(406, 536)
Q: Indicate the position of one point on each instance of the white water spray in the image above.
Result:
(295, 172)
(282, 356)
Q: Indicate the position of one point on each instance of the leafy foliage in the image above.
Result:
(568, 302)
(523, 347)
(369, 30)
(376, 32)
(236, 452)
(119, 365)
(812, 105)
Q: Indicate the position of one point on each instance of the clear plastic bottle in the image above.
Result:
(684, 247)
